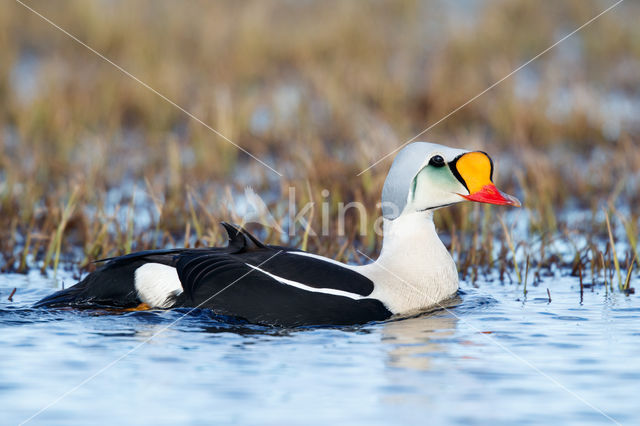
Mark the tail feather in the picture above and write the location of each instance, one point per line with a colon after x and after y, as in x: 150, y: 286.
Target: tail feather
x: 111, y: 285
x: 60, y: 298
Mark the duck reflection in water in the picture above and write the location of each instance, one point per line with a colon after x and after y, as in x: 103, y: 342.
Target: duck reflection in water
x: 414, y: 340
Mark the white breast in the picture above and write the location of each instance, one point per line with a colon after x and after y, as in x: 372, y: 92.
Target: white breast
x: 414, y: 271
x: 157, y: 284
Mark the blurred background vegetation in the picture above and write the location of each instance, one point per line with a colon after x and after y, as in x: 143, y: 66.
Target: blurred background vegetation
x: 93, y: 164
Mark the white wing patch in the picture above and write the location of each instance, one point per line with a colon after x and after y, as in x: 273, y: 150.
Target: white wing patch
x: 157, y: 284
x: 309, y: 288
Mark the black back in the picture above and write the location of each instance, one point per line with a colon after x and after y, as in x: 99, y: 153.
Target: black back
x: 225, y: 280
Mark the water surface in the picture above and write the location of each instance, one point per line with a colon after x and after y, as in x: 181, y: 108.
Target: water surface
x: 494, y: 357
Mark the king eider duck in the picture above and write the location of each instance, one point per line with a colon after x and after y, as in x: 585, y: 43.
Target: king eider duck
x: 279, y: 286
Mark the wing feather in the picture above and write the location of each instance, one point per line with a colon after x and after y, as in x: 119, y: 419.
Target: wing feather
x: 221, y: 279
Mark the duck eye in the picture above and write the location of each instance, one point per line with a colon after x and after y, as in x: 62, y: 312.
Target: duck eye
x: 436, y: 161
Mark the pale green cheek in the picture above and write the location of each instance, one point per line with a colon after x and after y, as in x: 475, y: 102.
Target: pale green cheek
x: 433, y: 177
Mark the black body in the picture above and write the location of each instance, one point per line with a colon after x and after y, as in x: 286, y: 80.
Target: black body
x: 220, y: 279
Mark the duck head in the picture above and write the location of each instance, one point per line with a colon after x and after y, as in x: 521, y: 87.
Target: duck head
x: 426, y: 176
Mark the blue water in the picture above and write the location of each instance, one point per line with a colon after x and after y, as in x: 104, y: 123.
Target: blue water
x: 494, y: 357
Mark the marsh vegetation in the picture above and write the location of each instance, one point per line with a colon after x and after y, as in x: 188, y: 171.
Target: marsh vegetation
x: 94, y: 164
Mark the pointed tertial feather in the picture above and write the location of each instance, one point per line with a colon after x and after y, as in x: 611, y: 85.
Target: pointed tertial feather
x: 240, y: 238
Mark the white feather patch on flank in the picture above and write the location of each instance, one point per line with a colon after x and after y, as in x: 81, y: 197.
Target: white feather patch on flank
x: 157, y: 284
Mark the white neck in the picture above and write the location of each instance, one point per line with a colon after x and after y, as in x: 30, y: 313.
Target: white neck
x: 414, y: 270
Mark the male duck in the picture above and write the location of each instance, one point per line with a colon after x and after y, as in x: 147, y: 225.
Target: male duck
x: 280, y: 286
